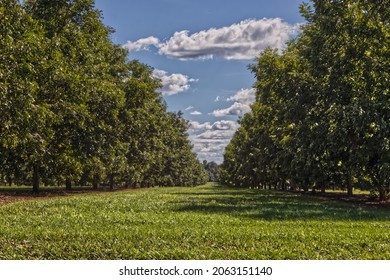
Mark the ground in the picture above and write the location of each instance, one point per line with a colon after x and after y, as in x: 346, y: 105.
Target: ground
x: 14, y: 194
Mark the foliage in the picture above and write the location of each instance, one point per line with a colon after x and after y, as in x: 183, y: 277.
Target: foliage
x: 212, y: 170
x: 74, y: 110
x: 321, y: 114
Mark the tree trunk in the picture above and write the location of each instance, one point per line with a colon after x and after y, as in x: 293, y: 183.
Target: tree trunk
x: 111, y: 182
x: 293, y: 185
x: 36, y: 178
x: 95, y: 183
x: 306, y: 185
x: 68, y: 184
x: 350, y: 186
x: 382, y: 193
x: 323, y: 189
x: 284, y: 186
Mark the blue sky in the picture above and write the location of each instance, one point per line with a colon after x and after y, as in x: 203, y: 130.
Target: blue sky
x: 201, y: 51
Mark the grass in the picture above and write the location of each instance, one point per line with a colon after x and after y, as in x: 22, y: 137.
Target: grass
x: 207, y: 222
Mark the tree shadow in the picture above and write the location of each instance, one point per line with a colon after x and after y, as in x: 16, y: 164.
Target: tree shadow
x: 277, y: 206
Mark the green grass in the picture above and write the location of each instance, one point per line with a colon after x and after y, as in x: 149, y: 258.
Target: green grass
x: 205, y: 222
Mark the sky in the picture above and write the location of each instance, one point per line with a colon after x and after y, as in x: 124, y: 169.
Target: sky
x: 201, y: 50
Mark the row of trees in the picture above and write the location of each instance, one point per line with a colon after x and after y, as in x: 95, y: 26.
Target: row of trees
x: 212, y: 170
x: 322, y: 113
x: 74, y: 110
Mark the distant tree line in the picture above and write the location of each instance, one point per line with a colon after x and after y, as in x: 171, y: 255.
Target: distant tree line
x: 75, y: 111
x: 322, y: 113
x: 212, y: 170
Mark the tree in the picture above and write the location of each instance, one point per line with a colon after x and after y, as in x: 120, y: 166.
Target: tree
x: 159, y: 151
x: 345, y: 45
x: 212, y: 170
x: 275, y: 137
x: 83, y: 86
x: 73, y: 108
x: 321, y: 106
x: 26, y: 118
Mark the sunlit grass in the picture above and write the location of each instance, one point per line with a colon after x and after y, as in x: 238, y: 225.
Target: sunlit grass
x: 205, y: 222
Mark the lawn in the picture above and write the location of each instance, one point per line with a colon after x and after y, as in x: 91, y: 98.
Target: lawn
x: 206, y: 222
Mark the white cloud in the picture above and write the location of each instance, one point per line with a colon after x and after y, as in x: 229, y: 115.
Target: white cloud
x: 221, y: 130
x: 173, y: 83
x: 217, y: 99
x: 209, y: 140
x: 242, y: 101
x: 142, y: 44
x: 196, y: 113
x: 194, y: 126
x: 214, y: 134
x: 225, y: 125
x: 189, y: 108
x: 241, y: 41
x: 237, y: 109
x: 244, y: 96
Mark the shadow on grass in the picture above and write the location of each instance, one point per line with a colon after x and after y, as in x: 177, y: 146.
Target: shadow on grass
x: 272, y: 205
x: 44, y: 191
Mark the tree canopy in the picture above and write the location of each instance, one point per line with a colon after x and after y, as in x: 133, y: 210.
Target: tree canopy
x: 76, y: 111
x: 322, y: 110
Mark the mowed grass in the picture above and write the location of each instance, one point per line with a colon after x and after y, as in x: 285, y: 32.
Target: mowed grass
x: 207, y: 222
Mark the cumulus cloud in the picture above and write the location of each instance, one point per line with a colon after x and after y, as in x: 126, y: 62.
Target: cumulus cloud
x: 210, y: 152
x: 241, y: 41
x: 242, y: 101
x: 237, y: 109
x: 173, y: 83
x: 196, y: 113
x: 244, y: 96
x: 197, y: 126
x: 142, y: 44
x: 215, y: 134
x: 225, y: 125
x: 209, y: 140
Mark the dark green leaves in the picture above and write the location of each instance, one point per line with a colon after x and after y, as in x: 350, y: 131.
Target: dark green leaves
x: 322, y: 110
x: 73, y: 110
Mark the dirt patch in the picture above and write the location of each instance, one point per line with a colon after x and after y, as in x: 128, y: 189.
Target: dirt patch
x: 357, y: 199
x: 5, y: 199
x: 12, y: 196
